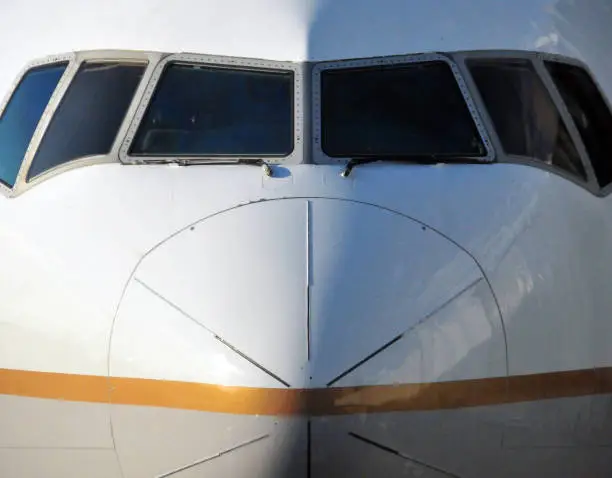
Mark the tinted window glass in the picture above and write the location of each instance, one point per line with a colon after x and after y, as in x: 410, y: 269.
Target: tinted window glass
x: 90, y: 114
x: 590, y: 113
x: 396, y: 110
x: 204, y: 111
x: 524, y: 115
x: 21, y: 116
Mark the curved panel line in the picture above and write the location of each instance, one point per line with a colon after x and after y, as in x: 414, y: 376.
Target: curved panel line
x: 309, y: 198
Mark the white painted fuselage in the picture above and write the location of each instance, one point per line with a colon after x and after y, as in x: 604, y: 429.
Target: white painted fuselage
x: 212, y: 320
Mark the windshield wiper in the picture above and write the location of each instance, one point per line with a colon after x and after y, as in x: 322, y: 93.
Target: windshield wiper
x: 200, y: 161
x: 256, y: 162
x: 410, y: 158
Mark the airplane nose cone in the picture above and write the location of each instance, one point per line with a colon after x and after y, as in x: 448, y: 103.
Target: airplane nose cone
x: 301, y: 289
x: 302, y: 293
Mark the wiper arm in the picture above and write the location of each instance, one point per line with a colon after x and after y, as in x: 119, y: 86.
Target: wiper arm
x: 200, y: 161
x: 256, y: 162
x: 409, y: 158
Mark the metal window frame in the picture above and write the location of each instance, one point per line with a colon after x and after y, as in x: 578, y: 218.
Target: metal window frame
x: 295, y: 156
x: 75, y: 60
x: 306, y: 106
x: 148, y: 59
x: 320, y: 157
x: 536, y: 59
x: 69, y: 58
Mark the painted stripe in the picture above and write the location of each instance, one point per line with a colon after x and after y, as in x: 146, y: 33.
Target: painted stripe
x: 312, y: 402
x: 59, y: 386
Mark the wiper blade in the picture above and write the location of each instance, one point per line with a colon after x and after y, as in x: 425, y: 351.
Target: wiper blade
x: 410, y: 158
x: 200, y: 161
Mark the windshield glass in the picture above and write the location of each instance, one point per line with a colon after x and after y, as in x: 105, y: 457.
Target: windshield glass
x: 414, y: 109
x: 213, y: 111
x: 21, y: 117
x: 524, y: 114
x: 90, y: 114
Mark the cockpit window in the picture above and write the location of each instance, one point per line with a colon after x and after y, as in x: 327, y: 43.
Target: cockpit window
x: 199, y: 110
x: 524, y: 114
x: 90, y: 114
x: 590, y: 114
x: 22, y: 114
x: 410, y: 109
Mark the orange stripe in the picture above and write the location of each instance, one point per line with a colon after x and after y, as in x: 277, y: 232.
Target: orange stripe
x: 59, y: 386
x: 322, y: 401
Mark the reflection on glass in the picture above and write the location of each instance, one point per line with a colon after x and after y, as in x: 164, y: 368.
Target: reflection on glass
x: 21, y: 116
x: 90, y: 114
x: 523, y: 113
x: 396, y: 110
x: 212, y: 111
x: 590, y: 113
